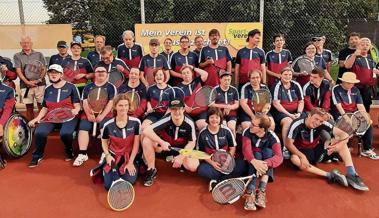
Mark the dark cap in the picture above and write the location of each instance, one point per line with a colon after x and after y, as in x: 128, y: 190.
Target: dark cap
x: 103, y: 65
x: 75, y: 43
x: 176, y: 103
x: 154, y: 42
x: 223, y: 73
x: 62, y: 44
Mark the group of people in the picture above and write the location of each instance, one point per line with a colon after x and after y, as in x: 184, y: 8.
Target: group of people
x: 302, y: 105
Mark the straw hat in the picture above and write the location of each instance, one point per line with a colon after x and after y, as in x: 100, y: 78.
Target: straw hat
x: 349, y: 77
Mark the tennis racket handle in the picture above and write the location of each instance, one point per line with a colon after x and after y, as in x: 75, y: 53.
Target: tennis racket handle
x: 94, y: 129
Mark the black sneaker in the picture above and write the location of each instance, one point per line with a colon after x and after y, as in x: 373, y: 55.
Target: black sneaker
x: 337, y: 177
x: 356, y: 182
x: 68, y: 156
x: 34, y: 162
x: 151, y: 174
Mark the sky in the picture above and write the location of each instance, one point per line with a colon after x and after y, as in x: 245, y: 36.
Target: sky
x: 34, y: 12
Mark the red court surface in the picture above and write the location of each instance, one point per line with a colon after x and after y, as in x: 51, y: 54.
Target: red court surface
x: 56, y: 189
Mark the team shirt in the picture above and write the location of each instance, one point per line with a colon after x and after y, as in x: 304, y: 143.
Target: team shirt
x: 363, y: 68
x: 305, y: 138
x: 141, y: 91
x: 148, y: 64
x: 7, y: 102
x: 131, y: 56
x: 222, y: 140
x: 113, y: 66
x: 226, y: 97
x: 178, y: 60
x: 82, y: 65
x: 111, y: 91
x: 347, y: 98
x: 252, y: 143
x: 168, y: 56
x: 247, y: 92
x: 121, y: 140
x: 317, y: 97
x: 64, y: 97
x: 177, y: 136
x: 276, y: 62
x: 249, y: 59
x: 58, y: 59
x: 289, y: 98
x: 343, y: 54
x: 160, y: 98
x: 10, y: 74
x: 326, y: 55
x: 221, y: 56
x: 318, y: 61
x: 94, y: 57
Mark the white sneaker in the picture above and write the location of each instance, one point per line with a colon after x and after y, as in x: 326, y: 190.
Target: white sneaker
x: 80, y: 160
x: 370, y: 154
x: 286, y: 154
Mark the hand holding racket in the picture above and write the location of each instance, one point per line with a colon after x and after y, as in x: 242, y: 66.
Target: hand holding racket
x: 33, y: 72
x: 121, y: 193
x: 58, y: 115
x: 225, y: 161
x: 97, y: 101
x: 261, y: 101
x: 230, y: 190
x: 164, y: 98
x: 306, y: 65
x: 71, y: 71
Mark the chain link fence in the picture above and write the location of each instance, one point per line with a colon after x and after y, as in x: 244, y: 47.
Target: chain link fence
x: 298, y: 20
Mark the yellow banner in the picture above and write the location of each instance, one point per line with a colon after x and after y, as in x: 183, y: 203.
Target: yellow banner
x: 232, y: 35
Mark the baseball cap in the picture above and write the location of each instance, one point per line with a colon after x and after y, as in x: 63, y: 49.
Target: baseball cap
x: 102, y: 64
x: 62, y: 44
x: 55, y: 67
x: 176, y: 103
x: 154, y: 42
x: 75, y: 43
x: 222, y: 73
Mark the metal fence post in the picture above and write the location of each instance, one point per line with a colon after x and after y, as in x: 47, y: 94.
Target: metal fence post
x: 261, y: 10
x: 21, y: 11
x: 142, y: 11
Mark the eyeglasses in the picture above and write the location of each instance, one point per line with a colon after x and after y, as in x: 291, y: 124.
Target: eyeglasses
x: 316, y: 40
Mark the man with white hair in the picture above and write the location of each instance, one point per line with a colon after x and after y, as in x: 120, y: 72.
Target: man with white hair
x: 129, y: 51
x: 30, y: 89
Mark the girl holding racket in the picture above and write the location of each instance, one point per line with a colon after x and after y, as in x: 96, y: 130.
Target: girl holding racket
x: 60, y: 94
x: 190, y: 86
x: 247, y: 93
x: 262, y: 150
x: 216, y: 137
x: 302, y: 77
x: 227, y: 99
x: 88, y: 118
x: 120, y: 141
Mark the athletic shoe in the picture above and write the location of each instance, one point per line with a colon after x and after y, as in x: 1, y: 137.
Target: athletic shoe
x: 212, y: 184
x: 370, y: 154
x: 151, y: 174
x: 80, y: 160
x: 250, y: 202
x: 337, y: 177
x: 260, y: 199
x: 34, y: 162
x: 356, y: 182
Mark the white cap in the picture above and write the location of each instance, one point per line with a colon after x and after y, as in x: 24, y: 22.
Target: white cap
x: 55, y: 67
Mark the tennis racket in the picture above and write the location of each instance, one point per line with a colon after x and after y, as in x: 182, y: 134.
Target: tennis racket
x: 230, y: 190
x: 116, y: 77
x: 352, y: 124
x: 165, y: 96
x: 33, y: 71
x: 70, y: 71
x: 97, y: 100
x: 261, y: 101
x: 196, y: 154
x: 204, y: 97
x: 58, y: 115
x: 121, y: 193
x: 226, y: 161
x: 305, y: 64
x: 134, y: 100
